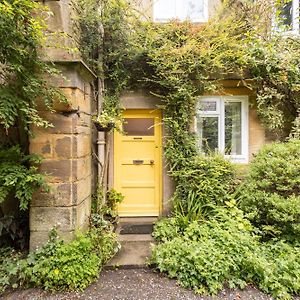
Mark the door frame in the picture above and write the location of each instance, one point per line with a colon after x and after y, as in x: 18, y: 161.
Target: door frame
x: 157, y: 113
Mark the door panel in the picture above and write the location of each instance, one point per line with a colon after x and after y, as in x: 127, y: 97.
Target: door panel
x: 137, y: 163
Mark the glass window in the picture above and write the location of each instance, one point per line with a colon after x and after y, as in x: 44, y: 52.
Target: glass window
x: 208, y: 106
x: 222, y: 125
x: 208, y: 128
x: 138, y: 126
x: 194, y: 10
x: 233, y: 128
x: 289, y: 15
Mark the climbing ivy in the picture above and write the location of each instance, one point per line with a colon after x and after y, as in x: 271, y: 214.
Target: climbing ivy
x: 22, y: 73
x: 23, y: 88
x: 180, y: 61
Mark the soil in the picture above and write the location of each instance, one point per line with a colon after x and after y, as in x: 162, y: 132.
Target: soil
x: 135, y: 284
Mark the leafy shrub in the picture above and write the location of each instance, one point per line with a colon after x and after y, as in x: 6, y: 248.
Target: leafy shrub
x: 14, y: 229
x: 62, y: 266
x: 204, y: 183
x: 11, y: 268
x: 59, y: 265
x: 270, y: 195
x: 72, y: 266
x: 17, y: 177
x: 225, y: 250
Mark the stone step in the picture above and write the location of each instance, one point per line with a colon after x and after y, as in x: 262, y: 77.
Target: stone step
x: 133, y: 254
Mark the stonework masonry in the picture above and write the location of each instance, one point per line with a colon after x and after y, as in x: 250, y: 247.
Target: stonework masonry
x: 66, y: 146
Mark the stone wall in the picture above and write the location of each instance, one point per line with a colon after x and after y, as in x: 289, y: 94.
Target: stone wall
x: 67, y: 146
x: 66, y: 149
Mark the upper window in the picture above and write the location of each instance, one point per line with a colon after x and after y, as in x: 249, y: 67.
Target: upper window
x: 193, y: 10
x: 289, y: 15
x: 222, y: 125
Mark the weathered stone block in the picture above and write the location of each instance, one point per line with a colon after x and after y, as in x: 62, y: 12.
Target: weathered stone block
x: 45, y: 218
x: 58, y: 170
x: 83, y: 212
x: 77, y: 99
x: 39, y: 238
x: 83, y: 188
x: 82, y: 145
x: 42, y: 145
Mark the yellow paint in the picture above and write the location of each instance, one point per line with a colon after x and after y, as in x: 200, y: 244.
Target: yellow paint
x: 139, y: 183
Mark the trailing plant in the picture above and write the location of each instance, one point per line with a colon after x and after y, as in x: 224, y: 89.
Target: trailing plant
x: 270, y: 194
x: 23, y: 84
x: 19, y: 176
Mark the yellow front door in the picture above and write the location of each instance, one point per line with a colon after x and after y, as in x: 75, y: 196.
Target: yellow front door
x: 137, y: 163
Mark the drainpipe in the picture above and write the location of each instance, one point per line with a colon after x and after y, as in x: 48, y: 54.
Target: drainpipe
x: 101, y: 142
x: 101, y: 138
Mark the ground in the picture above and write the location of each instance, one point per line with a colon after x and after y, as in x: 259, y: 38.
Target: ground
x: 135, y: 284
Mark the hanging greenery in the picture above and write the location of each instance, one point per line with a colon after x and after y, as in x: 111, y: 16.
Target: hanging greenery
x: 23, y: 87
x: 22, y: 73
x: 180, y: 61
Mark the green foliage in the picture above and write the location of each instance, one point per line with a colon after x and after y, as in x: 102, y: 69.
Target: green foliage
x: 14, y: 230
x: 202, y: 184
x: 21, y: 85
x: 62, y: 266
x: 270, y: 193
x: 59, y: 265
x: 18, y: 175
x: 72, y: 266
x: 225, y: 250
x: 11, y: 268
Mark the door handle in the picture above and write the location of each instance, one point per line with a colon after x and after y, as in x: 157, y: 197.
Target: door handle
x: 138, y: 161
x: 151, y: 162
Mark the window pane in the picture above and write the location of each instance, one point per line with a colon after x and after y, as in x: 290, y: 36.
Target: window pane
x: 209, y: 133
x: 194, y: 9
x: 233, y: 128
x: 138, y: 126
x: 208, y: 106
x: 287, y: 14
x: 164, y: 10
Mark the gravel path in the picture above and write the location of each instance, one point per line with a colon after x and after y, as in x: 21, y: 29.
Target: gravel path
x: 135, y: 285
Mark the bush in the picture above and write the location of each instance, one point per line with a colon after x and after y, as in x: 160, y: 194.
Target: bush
x: 58, y: 265
x: 270, y: 195
x: 225, y: 250
x: 11, y: 268
x: 206, y: 182
x: 18, y: 177
x: 72, y: 266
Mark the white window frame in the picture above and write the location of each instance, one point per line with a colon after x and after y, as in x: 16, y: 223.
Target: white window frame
x: 295, y: 26
x: 177, y: 14
x: 220, y: 113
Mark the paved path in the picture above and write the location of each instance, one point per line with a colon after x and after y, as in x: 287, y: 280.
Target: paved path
x: 130, y: 284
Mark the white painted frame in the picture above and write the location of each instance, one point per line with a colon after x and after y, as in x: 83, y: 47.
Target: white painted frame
x: 177, y: 15
x: 295, y: 26
x: 220, y: 113
x: 295, y: 16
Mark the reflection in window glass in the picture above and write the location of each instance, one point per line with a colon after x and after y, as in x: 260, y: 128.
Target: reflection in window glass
x: 233, y: 128
x: 138, y: 126
x: 195, y: 9
x: 208, y: 128
x: 208, y: 106
x: 287, y: 14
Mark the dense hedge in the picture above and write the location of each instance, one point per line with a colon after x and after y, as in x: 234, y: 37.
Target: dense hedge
x: 270, y: 195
